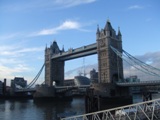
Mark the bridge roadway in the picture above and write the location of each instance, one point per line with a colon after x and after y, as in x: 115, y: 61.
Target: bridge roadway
x: 58, y: 88
x: 76, y: 53
x: 120, y: 84
x: 137, y: 84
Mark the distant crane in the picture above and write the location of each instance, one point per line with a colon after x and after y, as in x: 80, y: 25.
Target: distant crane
x: 82, y: 72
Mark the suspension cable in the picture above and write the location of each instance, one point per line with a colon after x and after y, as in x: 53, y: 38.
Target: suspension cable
x: 36, y: 78
x: 145, y: 67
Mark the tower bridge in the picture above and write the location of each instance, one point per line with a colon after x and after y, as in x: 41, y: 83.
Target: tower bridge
x: 110, y: 66
x: 109, y: 72
x: 110, y: 87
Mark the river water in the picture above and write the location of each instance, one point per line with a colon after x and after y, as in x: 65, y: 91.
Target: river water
x: 29, y: 110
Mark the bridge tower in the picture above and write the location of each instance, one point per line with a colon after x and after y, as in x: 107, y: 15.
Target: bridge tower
x: 54, y: 68
x: 110, y: 66
x: 105, y: 94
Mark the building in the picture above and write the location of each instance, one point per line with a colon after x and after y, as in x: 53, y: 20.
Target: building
x: 81, y: 80
x: 18, y: 82
x: 94, y: 76
x: 133, y: 79
x: 1, y: 88
x: 69, y: 82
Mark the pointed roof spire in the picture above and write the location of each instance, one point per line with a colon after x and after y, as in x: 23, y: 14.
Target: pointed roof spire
x: 46, y: 46
x: 108, y: 26
x: 119, y: 32
x: 63, y: 48
x: 98, y: 31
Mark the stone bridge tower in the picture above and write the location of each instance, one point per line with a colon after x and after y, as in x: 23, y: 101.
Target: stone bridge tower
x: 54, y: 68
x: 110, y: 66
x: 105, y: 94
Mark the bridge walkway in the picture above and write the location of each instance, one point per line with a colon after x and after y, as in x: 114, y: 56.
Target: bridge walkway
x: 137, y: 84
x: 59, y: 89
x: 149, y: 110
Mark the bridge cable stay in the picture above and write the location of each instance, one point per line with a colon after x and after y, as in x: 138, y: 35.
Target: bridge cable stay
x: 141, y: 61
x: 145, y: 70
x: 150, y: 69
x: 142, y: 64
x: 126, y: 59
x: 145, y: 67
x: 131, y: 62
x: 36, y: 78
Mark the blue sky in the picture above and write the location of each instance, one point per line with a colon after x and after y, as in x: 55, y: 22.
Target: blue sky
x: 27, y: 26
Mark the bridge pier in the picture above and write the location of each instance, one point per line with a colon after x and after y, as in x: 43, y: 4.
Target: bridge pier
x: 51, y: 93
x: 106, y: 96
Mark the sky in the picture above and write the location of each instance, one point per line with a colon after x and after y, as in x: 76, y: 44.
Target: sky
x: 28, y: 26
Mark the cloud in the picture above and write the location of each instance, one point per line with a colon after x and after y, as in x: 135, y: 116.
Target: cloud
x: 8, y: 72
x: 14, y: 61
x: 66, y: 25
x: 15, y: 51
x: 71, y: 3
x: 25, y: 6
x: 135, y: 7
x: 9, y: 36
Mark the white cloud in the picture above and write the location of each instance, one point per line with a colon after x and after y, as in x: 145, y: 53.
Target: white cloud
x: 12, y: 62
x: 66, y: 25
x: 133, y: 7
x: 24, y: 6
x: 9, y: 36
x: 13, y: 50
x: 8, y: 72
x: 71, y: 3
x: 69, y: 25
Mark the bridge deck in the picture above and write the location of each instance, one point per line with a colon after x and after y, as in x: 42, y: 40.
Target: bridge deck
x: 141, y: 83
x: 76, y: 53
x: 58, y: 88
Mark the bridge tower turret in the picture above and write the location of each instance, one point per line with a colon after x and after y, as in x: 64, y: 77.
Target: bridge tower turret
x: 109, y: 64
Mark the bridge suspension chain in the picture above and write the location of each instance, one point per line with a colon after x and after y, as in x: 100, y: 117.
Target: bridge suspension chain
x: 143, y: 65
x: 148, y: 69
x: 36, y: 78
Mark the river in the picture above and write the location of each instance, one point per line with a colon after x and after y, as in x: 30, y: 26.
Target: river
x: 29, y: 110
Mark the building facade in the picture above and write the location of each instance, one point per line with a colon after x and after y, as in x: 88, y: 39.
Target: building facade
x: 1, y: 88
x: 18, y: 82
x: 94, y: 76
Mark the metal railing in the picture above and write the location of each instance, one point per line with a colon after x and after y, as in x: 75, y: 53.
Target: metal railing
x: 140, y: 83
x: 149, y: 110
